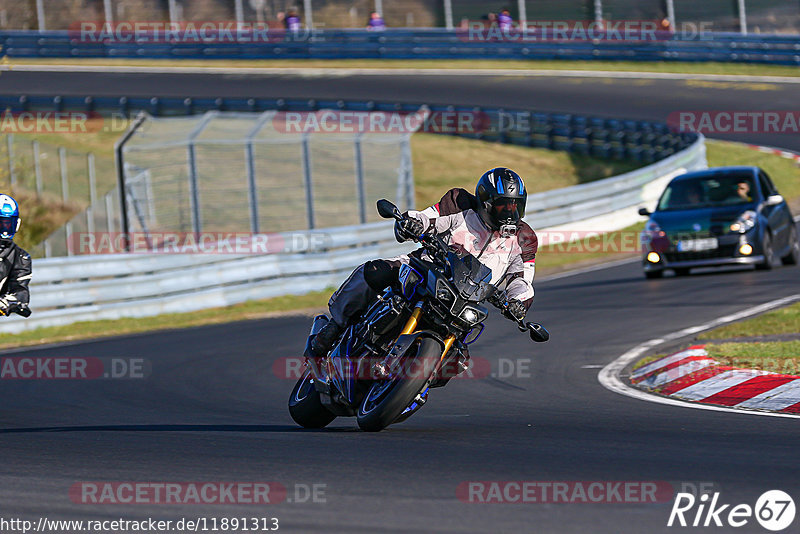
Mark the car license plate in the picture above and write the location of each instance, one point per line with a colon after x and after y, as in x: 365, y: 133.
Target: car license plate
x: 698, y: 245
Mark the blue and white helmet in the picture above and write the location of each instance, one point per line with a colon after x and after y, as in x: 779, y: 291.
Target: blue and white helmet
x: 501, y: 199
x: 9, y: 217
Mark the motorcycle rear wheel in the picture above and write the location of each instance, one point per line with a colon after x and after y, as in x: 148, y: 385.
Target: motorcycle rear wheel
x: 387, y: 399
x: 305, y: 406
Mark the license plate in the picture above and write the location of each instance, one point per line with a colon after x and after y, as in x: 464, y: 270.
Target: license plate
x: 698, y: 245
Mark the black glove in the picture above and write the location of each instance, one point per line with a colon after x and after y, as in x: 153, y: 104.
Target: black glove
x: 408, y: 228
x: 515, y: 310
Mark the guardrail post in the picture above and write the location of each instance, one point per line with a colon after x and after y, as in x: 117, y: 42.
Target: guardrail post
x: 307, y: 182
x: 671, y: 13
x: 62, y: 167
x: 308, y: 14
x: 120, y: 162
x: 37, y: 168
x: 194, y: 194
x: 598, y: 11
x: 12, y: 175
x: 361, y: 194
x: 109, y: 13
x: 252, y: 194
x: 448, y: 14
x: 109, y: 213
x: 90, y: 171
x: 251, y: 170
x: 742, y: 18
x: 40, y: 15
x: 239, y: 14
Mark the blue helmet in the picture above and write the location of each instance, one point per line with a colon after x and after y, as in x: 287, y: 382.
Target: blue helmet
x: 501, y: 199
x: 9, y: 217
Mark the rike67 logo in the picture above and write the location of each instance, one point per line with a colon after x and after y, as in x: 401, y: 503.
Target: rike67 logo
x: 774, y: 510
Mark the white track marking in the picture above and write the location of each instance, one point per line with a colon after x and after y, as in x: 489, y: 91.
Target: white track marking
x: 314, y: 72
x: 777, y: 398
x: 663, y: 362
x: 718, y: 383
x: 610, y: 379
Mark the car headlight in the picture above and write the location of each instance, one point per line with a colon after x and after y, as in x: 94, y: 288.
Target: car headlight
x: 472, y: 316
x: 745, y: 222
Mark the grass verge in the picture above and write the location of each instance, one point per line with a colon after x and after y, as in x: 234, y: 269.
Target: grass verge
x: 775, y: 356
x: 615, y: 66
x: 443, y: 162
x: 775, y: 322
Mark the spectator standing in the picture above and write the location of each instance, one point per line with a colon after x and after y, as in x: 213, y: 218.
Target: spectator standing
x: 376, y: 22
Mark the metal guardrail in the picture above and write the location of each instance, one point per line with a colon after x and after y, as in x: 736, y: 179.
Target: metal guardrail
x: 83, y: 288
x: 431, y: 43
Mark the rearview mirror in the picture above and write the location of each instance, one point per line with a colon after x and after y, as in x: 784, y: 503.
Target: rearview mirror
x: 387, y: 210
x: 538, y: 332
x: 774, y: 200
x: 644, y: 212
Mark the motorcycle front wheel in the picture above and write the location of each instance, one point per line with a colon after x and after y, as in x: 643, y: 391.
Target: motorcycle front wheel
x: 387, y: 399
x: 305, y: 406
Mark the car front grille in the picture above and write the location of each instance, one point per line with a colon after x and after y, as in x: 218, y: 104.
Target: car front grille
x: 724, y: 251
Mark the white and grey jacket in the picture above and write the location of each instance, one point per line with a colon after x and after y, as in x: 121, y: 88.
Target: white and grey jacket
x: 511, y: 259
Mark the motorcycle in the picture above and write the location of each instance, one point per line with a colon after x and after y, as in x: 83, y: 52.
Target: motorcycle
x: 413, y: 338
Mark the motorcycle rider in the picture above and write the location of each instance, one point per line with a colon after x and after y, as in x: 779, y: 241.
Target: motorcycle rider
x: 15, y: 263
x: 487, y: 225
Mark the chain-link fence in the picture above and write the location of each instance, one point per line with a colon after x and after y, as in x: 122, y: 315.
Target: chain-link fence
x: 62, y: 175
x: 244, y: 172
x: 758, y: 16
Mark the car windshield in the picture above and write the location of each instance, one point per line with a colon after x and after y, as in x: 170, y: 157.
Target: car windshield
x: 708, y: 191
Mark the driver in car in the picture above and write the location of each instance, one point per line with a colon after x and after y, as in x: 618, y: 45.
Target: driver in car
x: 487, y: 225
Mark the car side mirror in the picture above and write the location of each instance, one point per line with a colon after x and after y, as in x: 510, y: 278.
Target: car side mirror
x: 644, y: 212
x: 774, y: 200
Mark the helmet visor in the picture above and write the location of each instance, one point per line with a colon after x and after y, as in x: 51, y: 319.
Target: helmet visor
x: 508, y: 210
x: 8, y: 227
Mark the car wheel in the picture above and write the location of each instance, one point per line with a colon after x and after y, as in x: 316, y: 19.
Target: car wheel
x: 769, y: 254
x: 653, y: 274
x: 683, y: 271
x: 793, y: 257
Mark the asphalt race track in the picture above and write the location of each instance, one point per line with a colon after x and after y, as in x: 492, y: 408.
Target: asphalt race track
x: 213, y: 407
x: 641, y: 99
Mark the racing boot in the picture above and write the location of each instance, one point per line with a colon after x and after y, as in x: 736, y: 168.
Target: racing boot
x: 324, y: 340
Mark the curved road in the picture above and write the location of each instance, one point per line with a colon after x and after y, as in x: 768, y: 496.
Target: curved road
x: 213, y: 406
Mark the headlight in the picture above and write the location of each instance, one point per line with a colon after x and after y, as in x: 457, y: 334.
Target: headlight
x: 745, y: 222
x: 472, y: 316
